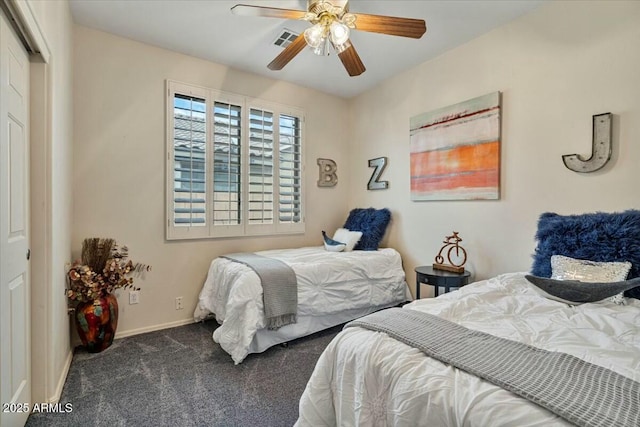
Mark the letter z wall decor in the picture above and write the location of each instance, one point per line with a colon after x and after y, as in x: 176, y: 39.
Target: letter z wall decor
x: 455, y: 151
x: 379, y: 163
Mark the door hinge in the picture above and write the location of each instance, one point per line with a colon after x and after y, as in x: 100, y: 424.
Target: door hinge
x: 28, y: 254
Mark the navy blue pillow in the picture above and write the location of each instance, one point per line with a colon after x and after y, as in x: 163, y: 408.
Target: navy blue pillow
x: 373, y: 224
x: 599, y: 236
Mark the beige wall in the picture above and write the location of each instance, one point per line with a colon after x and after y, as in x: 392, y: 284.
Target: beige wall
x: 555, y: 67
x: 119, y: 165
x: 52, y: 201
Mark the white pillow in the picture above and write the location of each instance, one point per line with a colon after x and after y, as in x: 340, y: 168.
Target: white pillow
x: 349, y: 238
x: 566, y: 268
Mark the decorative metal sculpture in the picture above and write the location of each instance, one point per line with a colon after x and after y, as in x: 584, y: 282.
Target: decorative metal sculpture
x: 328, y: 176
x: 379, y: 164
x: 456, y: 255
x: 600, y: 148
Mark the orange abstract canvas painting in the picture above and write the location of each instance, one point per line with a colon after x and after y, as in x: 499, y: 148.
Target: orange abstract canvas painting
x: 455, y: 151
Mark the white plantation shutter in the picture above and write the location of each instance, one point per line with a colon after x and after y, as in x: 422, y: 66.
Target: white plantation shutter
x: 227, y: 190
x: 235, y: 165
x: 189, y: 161
x: 261, y: 164
x: 290, y: 169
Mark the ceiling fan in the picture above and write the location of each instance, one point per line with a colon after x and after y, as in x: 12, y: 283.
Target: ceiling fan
x: 332, y: 23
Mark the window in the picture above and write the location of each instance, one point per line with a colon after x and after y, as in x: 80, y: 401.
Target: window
x: 234, y: 165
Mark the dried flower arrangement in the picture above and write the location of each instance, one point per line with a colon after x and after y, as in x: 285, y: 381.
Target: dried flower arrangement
x: 104, y: 267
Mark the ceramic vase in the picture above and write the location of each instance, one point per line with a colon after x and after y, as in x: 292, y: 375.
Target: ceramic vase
x: 96, y: 322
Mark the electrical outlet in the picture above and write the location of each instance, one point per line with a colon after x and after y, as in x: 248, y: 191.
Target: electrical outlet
x: 179, y: 305
x: 134, y: 297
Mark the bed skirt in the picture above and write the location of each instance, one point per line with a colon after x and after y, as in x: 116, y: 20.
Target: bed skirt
x: 307, y: 325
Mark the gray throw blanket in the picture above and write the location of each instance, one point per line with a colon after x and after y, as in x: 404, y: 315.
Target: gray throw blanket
x: 279, y: 287
x: 580, y: 392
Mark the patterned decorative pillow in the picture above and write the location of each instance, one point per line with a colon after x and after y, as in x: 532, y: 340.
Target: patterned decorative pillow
x: 372, y: 223
x: 599, y: 236
x: 567, y: 268
x: 350, y: 238
x: 332, y: 245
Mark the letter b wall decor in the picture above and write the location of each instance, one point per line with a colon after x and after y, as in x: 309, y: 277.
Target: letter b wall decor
x: 328, y: 176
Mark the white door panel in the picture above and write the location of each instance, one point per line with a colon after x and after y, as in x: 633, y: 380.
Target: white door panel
x: 15, y: 338
x: 16, y: 181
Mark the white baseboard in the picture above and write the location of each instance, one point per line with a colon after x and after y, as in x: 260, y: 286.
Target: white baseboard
x: 63, y: 378
x: 159, y: 327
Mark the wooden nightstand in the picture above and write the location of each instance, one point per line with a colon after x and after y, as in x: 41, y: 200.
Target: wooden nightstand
x: 439, y: 278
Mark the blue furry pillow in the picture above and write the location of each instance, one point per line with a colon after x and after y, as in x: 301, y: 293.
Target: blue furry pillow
x: 372, y: 223
x: 599, y: 236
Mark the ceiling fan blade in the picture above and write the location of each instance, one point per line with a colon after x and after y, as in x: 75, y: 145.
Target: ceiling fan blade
x: 269, y: 12
x: 351, y: 61
x: 392, y: 25
x: 288, y: 53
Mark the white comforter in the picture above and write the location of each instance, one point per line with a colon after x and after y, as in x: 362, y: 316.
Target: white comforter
x: 328, y: 282
x: 365, y: 378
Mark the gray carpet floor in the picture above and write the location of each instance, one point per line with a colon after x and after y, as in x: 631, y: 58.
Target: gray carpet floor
x: 180, y: 377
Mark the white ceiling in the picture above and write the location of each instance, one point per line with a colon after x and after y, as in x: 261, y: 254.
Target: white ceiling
x: 208, y: 30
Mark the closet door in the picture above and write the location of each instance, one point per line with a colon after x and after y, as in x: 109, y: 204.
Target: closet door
x: 15, y: 333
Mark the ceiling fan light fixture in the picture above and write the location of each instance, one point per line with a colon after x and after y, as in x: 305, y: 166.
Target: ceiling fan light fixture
x: 315, y: 35
x: 323, y: 48
x: 339, y: 48
x: 338, y: 32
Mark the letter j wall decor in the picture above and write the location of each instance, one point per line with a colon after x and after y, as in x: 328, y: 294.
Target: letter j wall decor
x: 455, y: 151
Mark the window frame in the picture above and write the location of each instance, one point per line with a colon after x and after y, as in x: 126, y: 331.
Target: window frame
x: 209, y: 229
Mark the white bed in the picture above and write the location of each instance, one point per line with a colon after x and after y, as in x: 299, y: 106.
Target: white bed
x: 333, y: 288
x: 366, y: 378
